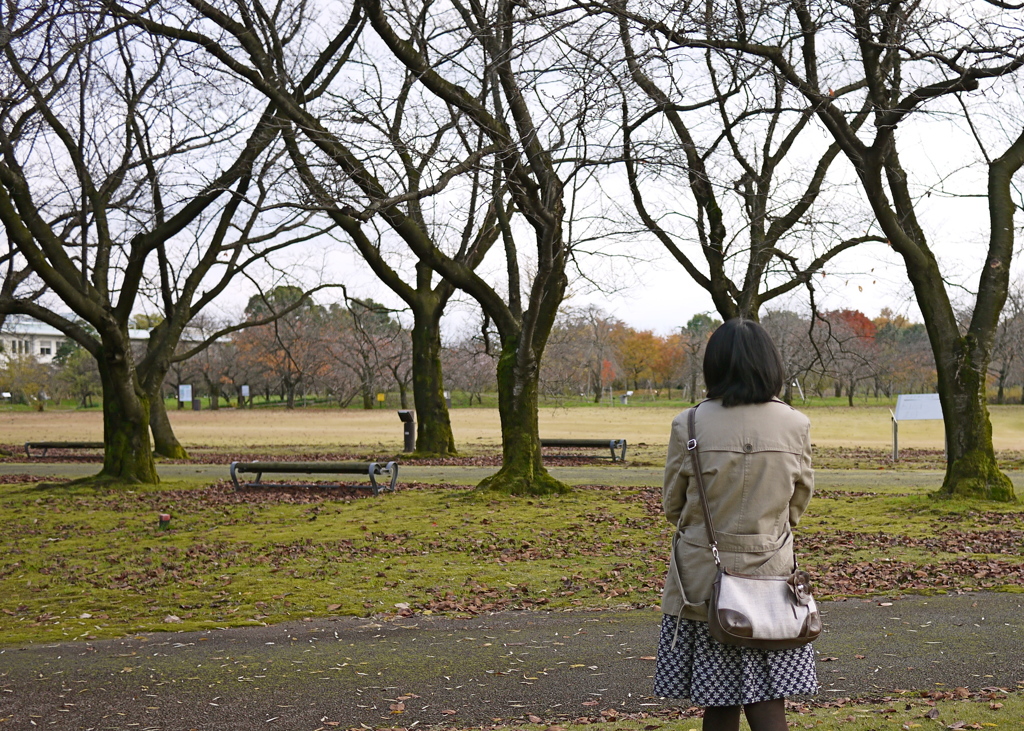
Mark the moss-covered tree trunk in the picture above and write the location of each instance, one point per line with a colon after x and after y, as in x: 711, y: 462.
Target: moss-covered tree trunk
x: 128, y: 453
x: 971, y: 469
x: 434, y: 428
x: 522, y: 470
x: 165, y: 443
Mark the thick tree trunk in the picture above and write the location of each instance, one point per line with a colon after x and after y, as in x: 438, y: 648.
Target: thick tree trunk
x: 849, y: 391
x: 971, y: 469
x: 128, y: 454
x: 522, y: 470
x: 434, y: 428
x: 165, y: 443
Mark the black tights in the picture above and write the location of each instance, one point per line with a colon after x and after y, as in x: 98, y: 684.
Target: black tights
x: 763, y: 716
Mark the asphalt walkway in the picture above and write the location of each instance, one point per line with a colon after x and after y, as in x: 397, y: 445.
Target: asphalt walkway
x: 350, y: 672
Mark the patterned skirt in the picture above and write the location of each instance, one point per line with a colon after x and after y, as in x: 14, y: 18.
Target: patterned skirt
x: 708, y: 673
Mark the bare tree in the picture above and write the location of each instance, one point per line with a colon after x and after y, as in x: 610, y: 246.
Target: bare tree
x: 369, y: 154
x: 484, y: 66
x: 752, y: 205
x: 128, y: 175
x: 903, y: 58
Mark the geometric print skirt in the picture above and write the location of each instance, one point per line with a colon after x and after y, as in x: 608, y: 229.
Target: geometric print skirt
x: 708, y: 673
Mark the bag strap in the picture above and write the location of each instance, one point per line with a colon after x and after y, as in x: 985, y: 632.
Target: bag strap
x: 691, y: 445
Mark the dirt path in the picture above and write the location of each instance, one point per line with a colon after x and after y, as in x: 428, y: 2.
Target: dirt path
x: 555, y: 666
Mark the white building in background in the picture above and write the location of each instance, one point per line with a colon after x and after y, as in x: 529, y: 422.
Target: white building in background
x: 23, y: 335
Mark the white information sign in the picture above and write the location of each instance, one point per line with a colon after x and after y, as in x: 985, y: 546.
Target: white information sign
x: 917, y: 407
x: 185, y: 393
x: 913, y: 407
x: 245, y: 392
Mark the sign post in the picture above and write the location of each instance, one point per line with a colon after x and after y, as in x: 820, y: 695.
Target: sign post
x: 913, y: 407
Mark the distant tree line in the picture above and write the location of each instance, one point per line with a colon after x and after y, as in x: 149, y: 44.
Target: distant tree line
x: 344, y: 354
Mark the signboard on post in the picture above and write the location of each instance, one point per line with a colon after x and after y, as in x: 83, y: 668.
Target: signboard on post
x: 913, y: 407
x: 917, y: 406
x: 184, y: 395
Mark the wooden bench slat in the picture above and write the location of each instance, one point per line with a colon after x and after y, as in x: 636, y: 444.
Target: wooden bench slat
x: 613, y: 445
x: 45, y: 446
x: 370, y: 469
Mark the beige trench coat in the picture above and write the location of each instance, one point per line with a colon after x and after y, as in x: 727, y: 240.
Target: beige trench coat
x: 756, y: 461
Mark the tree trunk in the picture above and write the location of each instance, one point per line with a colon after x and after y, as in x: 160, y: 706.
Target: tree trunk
x: 971, y: 469
x: 367, y: 398
x: 1002, y: 382
x: 165, y: 443
x: 290, y: 395
x: 522, y: 470
x: 849, y: 390
x: 434, y: 435
x: 127, y: 454
x: 214, y: 395
x: 787, y: 392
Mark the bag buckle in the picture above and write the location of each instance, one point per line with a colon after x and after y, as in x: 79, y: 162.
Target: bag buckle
x: 691, y: 445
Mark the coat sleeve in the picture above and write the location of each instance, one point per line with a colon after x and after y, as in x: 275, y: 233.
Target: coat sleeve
x: 677, y: 469
x: 804, y: 483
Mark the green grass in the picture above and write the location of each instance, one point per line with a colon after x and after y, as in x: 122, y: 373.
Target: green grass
x: 897, y: 712
x: 82, y: 563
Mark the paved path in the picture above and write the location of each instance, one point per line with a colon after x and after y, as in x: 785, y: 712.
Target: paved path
x: 347, y: 671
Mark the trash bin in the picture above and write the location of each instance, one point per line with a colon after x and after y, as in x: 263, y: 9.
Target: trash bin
x: 409, y: 429
x: 196, y: 404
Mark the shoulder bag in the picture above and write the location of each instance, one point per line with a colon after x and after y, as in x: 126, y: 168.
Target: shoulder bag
x: 764, y: 612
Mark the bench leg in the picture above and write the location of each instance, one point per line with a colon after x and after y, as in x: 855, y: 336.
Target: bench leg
x: 373, y: 479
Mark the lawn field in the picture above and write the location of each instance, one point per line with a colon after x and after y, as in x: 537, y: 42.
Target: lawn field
x: 80, y: 562
x: 834, y: 426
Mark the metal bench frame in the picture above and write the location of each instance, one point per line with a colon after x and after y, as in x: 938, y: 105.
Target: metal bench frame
x: 371, y: 469
x: 617, y: 447
x: 46, y: 446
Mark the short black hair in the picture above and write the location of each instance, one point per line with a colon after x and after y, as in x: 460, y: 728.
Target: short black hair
x: 742, y: 364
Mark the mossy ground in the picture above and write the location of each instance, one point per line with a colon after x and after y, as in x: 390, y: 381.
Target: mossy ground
x: 84, y: 562
x: 898, y: 712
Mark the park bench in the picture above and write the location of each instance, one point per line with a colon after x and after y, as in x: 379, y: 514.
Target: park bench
x: 371, y: 469
x: 617, y: 447
x: 46, y: 446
